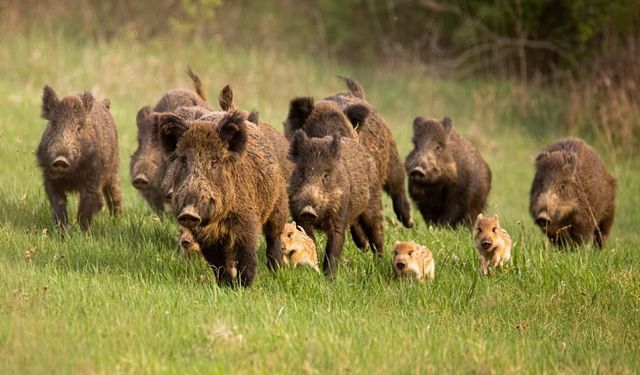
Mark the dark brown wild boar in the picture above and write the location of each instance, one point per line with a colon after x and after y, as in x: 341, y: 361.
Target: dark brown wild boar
x: 573, y: 195
x: 79, y: 153
x: 335, y: 185
x: 350, y: 115
x: 227, y: 187
x: 148, y: 164
x: 448, y: 179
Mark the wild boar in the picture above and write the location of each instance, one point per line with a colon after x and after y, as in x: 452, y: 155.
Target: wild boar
x: 573, y: 195
x: 448, y: 179
x: 148, y: 164
x: 79, y: 153
x: 335, y: 185
x: 227, y: 187
x: 350, y: 115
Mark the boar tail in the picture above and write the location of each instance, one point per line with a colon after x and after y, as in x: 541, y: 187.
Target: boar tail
x: 354, y: 87
x: 197, y: 84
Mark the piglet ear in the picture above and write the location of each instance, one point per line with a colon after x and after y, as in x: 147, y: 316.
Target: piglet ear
x: 107, y: 103
x: 357, y: 115
x: 298, y: 144
x: 301, y: 229
x: 299, y: 111
x: 87, y: 101
x: 233, y: 131
x: 447, y: 123
x: 50, y: 102
x: 225, y: 98
x: 171, y: 128
x: 336, y: 144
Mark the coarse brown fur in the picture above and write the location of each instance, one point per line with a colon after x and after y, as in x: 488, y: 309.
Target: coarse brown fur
x: 448, y: 179
x: 413, y: 260
x: 298, y: 248
x: 350, y: 115
x: 492, y: 242
x: 148, y: 164
x: 335, y: 185
x: 573, y: 195
x: 79, y: 153
x: 228, y: 188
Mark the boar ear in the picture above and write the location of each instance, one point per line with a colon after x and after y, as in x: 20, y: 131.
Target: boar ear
x: 418, y: 123
x: 225, y: 98
x: 254, y: 117
x: 357, y: 114
x: 50, y: 101
x: 542, y: 157
x: 298, y: 143
x: 447, y: 123
x: 143, y: 114
x: 233, y: 131
x: 171, y: 128
x: 87, y: 101
x: 299, y: 111
x: 335, y: 145
x: 107, y: 103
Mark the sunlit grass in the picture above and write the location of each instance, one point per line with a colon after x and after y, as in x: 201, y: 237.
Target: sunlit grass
x: 121, y: 299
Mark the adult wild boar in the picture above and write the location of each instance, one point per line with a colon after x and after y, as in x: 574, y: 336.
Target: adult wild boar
x: 573, y: 195
x: 148, y: 164
x: 335, y: 185
x: 227, y: 188
x: 350, y: 115
x: 79, y: 153
x: 448, y: 179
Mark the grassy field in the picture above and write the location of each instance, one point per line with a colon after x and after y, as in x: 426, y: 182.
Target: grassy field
x: 121, y: 299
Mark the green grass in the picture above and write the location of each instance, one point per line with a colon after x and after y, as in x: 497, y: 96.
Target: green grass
x: 120, y: 299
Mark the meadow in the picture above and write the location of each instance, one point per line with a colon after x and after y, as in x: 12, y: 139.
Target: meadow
x: 120, y: 299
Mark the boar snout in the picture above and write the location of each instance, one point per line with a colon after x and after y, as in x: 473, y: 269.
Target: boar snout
x: 543, y: 220
x: 308, y: 213
x: 60, y: 164
x: 486, y: 243
x: 189, y: 217
x: 140, y: 181
x: 418, y: 173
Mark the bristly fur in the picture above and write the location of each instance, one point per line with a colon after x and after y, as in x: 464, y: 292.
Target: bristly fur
x: 197, y: 84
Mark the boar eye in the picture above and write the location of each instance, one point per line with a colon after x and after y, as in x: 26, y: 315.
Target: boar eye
x: 183, y: 159
x: 563, y: 186
x: 438, y: 148
x: 325, y: 178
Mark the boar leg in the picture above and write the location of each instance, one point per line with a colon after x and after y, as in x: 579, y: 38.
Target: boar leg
x: 58, y: 201
x: 246, y: 256
x: 602, y: 231
x: 335, y: 242
x: 273, y: 229
x: 216, y: 257
x: 371, y: 221
x: 112, y: 195
x: 90, y: 204
x: 394, y: 186
x: 359, y: 237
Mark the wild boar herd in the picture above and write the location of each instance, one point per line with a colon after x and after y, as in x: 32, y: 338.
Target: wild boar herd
x: 229, y: 177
